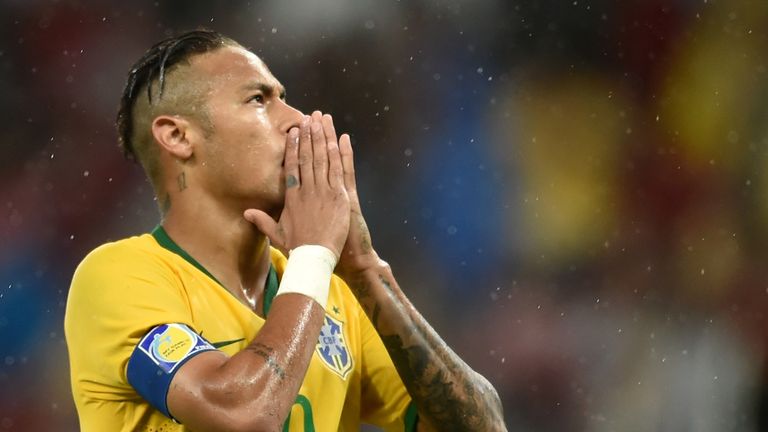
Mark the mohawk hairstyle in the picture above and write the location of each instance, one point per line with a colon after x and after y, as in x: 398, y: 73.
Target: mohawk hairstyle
x: 154, y: 65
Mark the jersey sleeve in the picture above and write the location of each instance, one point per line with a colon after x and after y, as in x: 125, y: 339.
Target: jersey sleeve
x: 384, y: 400
x: 118, y: 294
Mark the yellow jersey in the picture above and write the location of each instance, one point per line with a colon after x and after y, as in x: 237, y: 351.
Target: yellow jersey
x: 124, y: 290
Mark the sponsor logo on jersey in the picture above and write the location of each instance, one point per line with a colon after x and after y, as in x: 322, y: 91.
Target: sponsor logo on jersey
x: 222, y: 344
x: 168, y: 345
x: 332, y: 347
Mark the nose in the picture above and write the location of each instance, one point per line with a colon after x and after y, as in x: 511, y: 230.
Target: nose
x: 290, y: 117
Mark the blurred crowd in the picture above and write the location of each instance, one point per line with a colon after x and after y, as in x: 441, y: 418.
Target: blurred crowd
x: 574, y: 194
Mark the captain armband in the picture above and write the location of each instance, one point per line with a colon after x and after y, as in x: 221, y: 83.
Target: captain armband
x: 157, y: 358
x: 308, y: 272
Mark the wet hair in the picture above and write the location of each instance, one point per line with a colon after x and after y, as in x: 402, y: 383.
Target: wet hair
x: 150, y: 73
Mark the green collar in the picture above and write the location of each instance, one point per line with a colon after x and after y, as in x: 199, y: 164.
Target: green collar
x: 270, y: 287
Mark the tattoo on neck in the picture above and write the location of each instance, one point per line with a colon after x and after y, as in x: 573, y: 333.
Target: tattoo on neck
x: 266, y: 352
x: 165, y: 203
x: 182, y: 181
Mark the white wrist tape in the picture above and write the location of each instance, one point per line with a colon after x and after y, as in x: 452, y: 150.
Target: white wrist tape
x: 308, y: 272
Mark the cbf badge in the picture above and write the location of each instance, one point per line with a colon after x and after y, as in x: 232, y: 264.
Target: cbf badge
x: 332, y: 347
x: 168, y: 345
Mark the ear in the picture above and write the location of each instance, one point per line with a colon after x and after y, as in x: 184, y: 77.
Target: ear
x: 173, y: 134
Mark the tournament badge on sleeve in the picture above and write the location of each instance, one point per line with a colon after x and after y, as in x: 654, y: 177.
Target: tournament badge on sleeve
x: 168, y: 345
x: 332, y: 347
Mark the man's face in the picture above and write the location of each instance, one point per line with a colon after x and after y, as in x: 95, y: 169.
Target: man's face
x: 241, y: 160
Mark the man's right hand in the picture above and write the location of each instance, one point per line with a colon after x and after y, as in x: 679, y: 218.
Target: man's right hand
x: 317, y: 206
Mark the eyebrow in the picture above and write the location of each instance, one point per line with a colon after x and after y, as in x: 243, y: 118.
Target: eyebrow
x: 265, y: 88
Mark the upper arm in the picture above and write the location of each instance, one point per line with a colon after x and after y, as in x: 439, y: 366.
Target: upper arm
x: 116, y: 297
x: 191, y: 396
x: 170, y: 354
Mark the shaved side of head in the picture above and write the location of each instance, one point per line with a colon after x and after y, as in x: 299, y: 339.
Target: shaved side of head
x: 164, y: 82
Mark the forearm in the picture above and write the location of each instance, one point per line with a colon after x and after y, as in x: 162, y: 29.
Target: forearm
x: 447, y: 392
x: 256, y: 387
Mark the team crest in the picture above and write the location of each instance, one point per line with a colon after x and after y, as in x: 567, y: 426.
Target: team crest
x: 332, y: 347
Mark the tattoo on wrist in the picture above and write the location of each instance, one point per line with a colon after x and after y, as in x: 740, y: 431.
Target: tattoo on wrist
x: 386, y: 283
x: 266, y: 352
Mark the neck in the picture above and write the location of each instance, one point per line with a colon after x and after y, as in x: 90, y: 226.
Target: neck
x: 223, y: 242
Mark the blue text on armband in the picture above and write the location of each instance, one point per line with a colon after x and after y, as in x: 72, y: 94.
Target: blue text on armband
x: 158, y: 356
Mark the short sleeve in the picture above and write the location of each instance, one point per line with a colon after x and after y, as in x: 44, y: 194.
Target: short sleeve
x: 118, y: 294
x: 157, y: 357
x: 385, y: 402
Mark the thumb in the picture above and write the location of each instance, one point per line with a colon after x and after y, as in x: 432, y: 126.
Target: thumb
x: 266, y: 225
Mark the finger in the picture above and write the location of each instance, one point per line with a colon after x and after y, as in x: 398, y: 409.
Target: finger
x: 335, y: 166
x: 292, y: 175
x: 329, y: 129
x: 319, y: 151
x: 348, y: 162
x: 317, y: 116
x: 305, y: 154
x: 266, y: 225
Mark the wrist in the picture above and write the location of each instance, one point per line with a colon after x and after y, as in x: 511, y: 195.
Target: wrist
x: 308, y: 273
x: 361, y: 275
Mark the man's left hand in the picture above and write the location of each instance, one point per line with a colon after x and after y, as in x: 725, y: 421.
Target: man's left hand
x: 358, y: 254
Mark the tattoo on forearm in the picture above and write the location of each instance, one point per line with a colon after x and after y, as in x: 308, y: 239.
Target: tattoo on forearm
x: 182, y: 181
x: 433, y: 375
x: 447, y: 403
x: 266, y: 352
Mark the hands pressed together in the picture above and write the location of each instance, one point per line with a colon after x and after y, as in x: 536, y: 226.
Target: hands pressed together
x: 321, y: 202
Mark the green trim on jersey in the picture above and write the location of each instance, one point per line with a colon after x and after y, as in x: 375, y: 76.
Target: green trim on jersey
x: 164, y: 240
x: 270, y: 289
x: 411, y: 417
